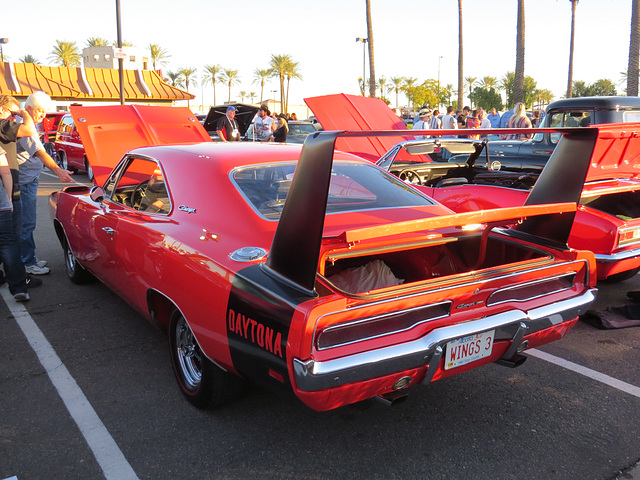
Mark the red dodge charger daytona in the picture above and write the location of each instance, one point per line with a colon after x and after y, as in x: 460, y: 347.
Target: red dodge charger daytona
x: 313, y: 269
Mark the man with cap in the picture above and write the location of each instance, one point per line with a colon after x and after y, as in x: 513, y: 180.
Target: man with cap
x: 424, y: 116
x: 228, y: 130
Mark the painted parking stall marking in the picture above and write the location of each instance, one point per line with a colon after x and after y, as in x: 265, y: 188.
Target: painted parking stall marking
x: 103, y: 446
x: 587, y: 372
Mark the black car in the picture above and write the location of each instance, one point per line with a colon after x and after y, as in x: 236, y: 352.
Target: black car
x: 298, y: 131
x: 532, y: 155
x: 244, y: 117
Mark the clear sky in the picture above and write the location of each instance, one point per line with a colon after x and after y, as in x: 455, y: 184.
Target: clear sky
x: 409, y: 38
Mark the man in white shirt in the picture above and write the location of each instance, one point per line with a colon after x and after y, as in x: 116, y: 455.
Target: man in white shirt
x: 263, y: 125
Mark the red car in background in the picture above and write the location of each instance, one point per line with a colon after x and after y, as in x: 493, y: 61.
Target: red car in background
x: 608, y: 217
x: 69, y: 149
x: 311, y: 269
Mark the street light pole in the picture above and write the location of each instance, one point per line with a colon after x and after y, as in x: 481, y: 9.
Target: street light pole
x: 439, y: 58
x: 120, y: 60
x: 2, y: 42
x: 364, y: 62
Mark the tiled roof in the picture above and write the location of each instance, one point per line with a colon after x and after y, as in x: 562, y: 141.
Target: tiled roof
x: 77, y: 83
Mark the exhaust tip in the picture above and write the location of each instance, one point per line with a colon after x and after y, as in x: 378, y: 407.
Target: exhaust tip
x: 392, y: 399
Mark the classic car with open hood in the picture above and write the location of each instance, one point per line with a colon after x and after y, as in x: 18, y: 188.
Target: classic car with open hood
x: 312, y: 269
x: 608, y: 217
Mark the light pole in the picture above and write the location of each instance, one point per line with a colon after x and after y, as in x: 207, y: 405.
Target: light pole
x: 364, y: 62
x: 439, y: 58
x: 2, y: 42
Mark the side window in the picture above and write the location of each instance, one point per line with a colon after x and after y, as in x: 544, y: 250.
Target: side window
x: 573, y: 119
x: 140, y: 186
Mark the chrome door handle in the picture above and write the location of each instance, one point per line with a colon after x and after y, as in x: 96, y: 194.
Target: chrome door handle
x: 108, y: 230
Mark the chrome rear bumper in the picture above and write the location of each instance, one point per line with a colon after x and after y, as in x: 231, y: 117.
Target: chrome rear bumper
x: 312, y: 375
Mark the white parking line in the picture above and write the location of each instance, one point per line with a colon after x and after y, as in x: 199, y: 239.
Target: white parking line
x: 103, y: 446
x: 587, y: 372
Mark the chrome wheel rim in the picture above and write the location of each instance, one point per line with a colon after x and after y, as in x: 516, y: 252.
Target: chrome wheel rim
x: 188, y: 355
x: 71, y: 261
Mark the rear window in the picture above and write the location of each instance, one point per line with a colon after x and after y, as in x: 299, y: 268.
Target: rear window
x: 354, y: 187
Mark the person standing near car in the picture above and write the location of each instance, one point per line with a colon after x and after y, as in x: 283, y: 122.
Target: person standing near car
x: 263, y: 124
x: 32, y: 156
x: 10, y: 132
x: 449, y: 120
x: 519, y: 119
x: 280, y: 135
x: 228, y: 130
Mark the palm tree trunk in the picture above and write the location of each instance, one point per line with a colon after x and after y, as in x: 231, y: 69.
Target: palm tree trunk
x: 281, y: 92
x: 372, y: 70
x: 573, y: 26
x: 460, y: 63
x: 634, y: 49
x: 286, y: 105
x: 518, y: 82
x: 214, y: 94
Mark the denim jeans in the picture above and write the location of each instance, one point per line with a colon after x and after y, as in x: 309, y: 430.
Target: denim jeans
x: 29, y: 200
x: 10, y: 254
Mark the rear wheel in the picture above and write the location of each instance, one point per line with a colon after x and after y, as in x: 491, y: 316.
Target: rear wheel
x: 204, y: 384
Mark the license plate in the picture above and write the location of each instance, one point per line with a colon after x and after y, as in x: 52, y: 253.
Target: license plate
x: 468, y: 349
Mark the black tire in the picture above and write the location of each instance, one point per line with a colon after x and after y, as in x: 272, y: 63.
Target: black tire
x: 619, y: 277
x: 76, y: 272
x: 88, y: 169
x: 203, y: 383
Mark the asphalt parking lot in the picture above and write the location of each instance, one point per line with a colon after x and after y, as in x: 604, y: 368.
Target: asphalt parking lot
x: 88, y: 393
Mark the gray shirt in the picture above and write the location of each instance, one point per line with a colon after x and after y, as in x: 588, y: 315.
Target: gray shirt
x: 30, y: 165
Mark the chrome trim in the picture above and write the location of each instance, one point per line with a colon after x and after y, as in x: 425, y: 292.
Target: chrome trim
x: 616, y: 257
x: 311, y: 375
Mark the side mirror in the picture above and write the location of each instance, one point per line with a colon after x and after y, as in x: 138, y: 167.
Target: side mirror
x: 96, y: 194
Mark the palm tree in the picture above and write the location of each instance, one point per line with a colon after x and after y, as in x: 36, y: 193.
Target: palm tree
x: 396, y: 85
x: 260, y: 75
x: 574, y: 4
x: 243, y: 94
x: 518, y: 84
x: 124, y: 43
x: 230, y: 77
x: 65, y: 54
x: 252, y: 95
x: 212, y: 74
x: 634, y: 49
x: 97, y: 42
x: 372, y: 70
x: 382, y: 82
x: 449, y: 89
x: 175, y: 79
x: 187, y: 74
x: 279, y: 66
x: 460, y: 56
x: 292, y: 72
x: 470, y: 82
x: 29, y: 59
x: 489, y: 82
x: 158, y: 55
x: 408, y: 84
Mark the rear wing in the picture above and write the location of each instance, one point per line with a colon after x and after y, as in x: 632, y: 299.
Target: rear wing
x: 295, y: 251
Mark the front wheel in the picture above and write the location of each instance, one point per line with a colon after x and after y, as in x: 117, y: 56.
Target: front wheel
x: 88, y: 169
x: 76, y: 272
x: 204, y: 384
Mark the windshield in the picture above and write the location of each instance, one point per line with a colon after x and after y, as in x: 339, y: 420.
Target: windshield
x: 354, y: 187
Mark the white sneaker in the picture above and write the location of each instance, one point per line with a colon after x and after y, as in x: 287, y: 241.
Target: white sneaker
x: 41, y: 263
x: 21, y: 297
x: 37, y: 270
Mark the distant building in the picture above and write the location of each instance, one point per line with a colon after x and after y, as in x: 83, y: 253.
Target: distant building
x: 107, y: 57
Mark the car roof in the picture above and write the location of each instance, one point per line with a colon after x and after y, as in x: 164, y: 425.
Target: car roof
x: 603, y: 102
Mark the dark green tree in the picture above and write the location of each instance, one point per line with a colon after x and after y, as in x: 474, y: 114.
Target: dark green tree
x: 486, y: 98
